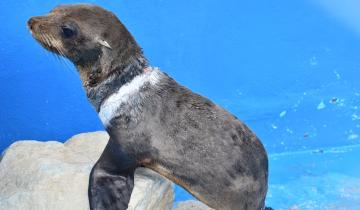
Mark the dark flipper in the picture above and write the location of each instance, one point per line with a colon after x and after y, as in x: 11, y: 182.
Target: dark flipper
x: 111, y: 180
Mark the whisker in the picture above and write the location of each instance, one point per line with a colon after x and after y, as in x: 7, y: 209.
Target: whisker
x: 57, y: 45
x: 52, y: 44
x: 43, y: 42
x: 46, y: 39
x: 67, y: 63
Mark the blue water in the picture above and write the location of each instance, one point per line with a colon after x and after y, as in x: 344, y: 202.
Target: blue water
x: 289, y: 69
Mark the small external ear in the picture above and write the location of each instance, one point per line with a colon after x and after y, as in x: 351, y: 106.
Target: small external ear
x: 102, y: 42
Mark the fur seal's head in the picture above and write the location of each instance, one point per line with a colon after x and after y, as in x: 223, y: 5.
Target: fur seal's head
x: 91, y: 37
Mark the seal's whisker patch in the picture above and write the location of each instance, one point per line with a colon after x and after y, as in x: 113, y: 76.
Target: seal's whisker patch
x: 49, y: 42
x: 56, y: 43
x: 59, y: 49
x: 46, y: 39
x: 53, y: 43
x: 41, y: 39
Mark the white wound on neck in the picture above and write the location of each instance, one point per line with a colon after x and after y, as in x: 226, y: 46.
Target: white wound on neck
x: 109, y: 108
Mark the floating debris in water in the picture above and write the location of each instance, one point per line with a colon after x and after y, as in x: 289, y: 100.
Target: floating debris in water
x: 318, y: 151
x: 338, y: 101
x: 306, y: 135
x: 283, y: 113
x: 274, y: 126
x: 321, y: 105
x: 334, y: 100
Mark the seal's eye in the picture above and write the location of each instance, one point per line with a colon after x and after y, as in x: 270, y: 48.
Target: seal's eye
x: 67, y: 31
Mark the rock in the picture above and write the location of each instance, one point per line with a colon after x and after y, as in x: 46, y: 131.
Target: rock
x: 53, y: 176
x: 192, y: 205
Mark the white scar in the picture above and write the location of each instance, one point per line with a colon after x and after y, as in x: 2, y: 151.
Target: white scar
x: 109, y: 108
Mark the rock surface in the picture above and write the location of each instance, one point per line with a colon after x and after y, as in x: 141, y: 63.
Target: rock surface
x: 53, y: 176
x: 192, y: 205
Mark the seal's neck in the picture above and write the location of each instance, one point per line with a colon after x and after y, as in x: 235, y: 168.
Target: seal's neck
x: 105, y: 77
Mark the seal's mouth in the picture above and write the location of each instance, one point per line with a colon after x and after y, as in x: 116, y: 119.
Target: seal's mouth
x: 48, y: 41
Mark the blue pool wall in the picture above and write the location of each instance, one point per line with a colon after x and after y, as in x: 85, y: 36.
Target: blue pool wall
x: 289, y: 69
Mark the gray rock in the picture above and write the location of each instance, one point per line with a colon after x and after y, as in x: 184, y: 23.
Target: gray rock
x: 54, y: 176
x: 192, y: 205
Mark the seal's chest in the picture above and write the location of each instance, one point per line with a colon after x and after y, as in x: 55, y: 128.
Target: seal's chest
x: 128, y: 98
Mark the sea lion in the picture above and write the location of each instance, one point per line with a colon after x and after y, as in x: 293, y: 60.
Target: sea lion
x: 152, y: 120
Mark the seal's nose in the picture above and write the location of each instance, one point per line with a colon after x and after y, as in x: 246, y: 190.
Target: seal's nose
x: 31, y: 22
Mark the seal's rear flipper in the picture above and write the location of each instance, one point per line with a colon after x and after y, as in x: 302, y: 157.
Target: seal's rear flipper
x: 111, y: 182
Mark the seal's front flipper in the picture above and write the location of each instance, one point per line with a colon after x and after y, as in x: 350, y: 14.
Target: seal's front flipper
x: 110, y: 191
x: 111, y: 180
